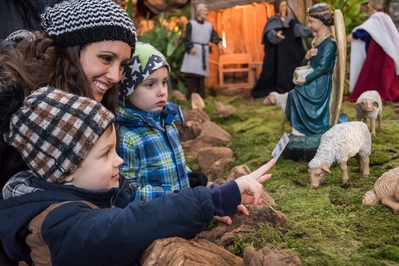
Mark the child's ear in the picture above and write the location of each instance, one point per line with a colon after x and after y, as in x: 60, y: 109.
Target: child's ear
x: 68, y: 179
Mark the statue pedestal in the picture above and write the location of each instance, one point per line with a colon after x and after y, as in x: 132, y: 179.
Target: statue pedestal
x: 302, y: 147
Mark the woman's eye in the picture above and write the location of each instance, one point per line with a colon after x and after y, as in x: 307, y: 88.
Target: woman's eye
x: 106, y: 58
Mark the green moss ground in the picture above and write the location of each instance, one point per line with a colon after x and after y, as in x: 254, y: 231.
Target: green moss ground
x: 328, y: 226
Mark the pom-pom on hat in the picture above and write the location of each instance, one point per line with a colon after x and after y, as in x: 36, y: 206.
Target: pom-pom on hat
x: 80, y: 22
x: 145, y: 60
x: 55, y: 130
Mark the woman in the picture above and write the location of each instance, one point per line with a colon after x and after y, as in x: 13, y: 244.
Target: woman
x: 374, y: 55
x: 83, y: 55
x: 283, y: 52
x: 78, y: 53
x: 308, y: 104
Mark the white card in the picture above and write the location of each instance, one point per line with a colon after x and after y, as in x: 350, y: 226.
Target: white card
x: 282, y: 143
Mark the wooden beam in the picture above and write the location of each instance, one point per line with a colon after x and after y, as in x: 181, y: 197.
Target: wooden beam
x: 217, y: 5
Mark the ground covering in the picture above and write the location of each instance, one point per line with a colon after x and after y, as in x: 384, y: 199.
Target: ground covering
x: 327, y: 226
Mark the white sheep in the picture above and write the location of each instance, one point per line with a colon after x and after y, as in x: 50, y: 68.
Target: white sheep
x: 338, y: 144
x: 369, y: 105
x: 386, y: 191
x: 280, y: 101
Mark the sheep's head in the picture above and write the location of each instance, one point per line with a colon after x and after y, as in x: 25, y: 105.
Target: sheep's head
x: 370, y: 198
x: 367, y: 105
x: 317, y: 175
x: 269, y: 100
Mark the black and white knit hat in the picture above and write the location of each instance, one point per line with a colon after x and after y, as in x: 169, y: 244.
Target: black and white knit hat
x: 55, y: 130
x: 145, y: 60
x: 80, y: 22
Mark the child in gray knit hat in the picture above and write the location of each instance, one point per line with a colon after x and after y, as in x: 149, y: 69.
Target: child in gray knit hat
x: 80, y: 212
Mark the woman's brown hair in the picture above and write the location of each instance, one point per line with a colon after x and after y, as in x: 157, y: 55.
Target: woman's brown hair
x: 41, y: 62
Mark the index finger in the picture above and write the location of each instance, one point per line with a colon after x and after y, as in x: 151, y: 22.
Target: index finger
x: 263, y: 169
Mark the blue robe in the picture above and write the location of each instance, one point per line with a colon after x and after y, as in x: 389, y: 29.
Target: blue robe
x: 308, y: 104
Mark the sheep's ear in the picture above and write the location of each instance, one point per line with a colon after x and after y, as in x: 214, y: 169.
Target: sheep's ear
x: 376, y: 104
x: 272, y: 99
x: 325, y: 168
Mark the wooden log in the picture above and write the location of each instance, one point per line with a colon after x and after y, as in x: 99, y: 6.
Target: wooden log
x: 178, y: 251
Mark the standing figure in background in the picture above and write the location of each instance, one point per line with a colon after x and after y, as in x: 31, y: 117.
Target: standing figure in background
x: 283, y: 52
x: 195, y: 63
x: 374, y: 61
x: 308, y: 104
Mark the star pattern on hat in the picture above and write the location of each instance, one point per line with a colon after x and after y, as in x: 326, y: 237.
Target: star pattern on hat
x: 158, y: 64
x: 123, y: 77
x: 136, y: 66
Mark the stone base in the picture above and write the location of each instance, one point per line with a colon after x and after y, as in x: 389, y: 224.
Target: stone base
x: 301, y: 147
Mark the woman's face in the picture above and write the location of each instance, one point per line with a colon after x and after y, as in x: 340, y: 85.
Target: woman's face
x: 315, y: 24
x: 283, y: 8
x: 103, y: 63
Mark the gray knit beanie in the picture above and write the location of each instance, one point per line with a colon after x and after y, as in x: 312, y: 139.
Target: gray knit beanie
x: 55, y: 130
x: 80, y: 22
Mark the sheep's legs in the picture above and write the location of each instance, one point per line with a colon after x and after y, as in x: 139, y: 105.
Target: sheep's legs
x: 364, y: 165
x: 344, y: 172
x: 372, y: 122
x: 393, y: 204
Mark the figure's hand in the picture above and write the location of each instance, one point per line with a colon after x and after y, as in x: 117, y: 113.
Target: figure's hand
x: 310, y: 53
x: 349, y: 38
x: 220, y: 45
x: 299, y: 81
x: 193, y: 50
x: 227, y: 220
x: 280, y: 35
x: 251, y: 186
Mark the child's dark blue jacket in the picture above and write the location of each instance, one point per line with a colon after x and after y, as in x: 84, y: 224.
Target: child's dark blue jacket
x: 77, y: 234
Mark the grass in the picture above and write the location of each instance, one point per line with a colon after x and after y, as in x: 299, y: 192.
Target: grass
x: 327, y: 226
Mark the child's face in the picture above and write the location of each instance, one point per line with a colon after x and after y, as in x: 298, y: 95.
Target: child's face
x: 103, y: 63
x: 152, y: 94
x: 100, y: 169
x: 315, y: 24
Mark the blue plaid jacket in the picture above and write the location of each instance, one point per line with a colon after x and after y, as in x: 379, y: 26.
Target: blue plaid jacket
x: 151, y: 149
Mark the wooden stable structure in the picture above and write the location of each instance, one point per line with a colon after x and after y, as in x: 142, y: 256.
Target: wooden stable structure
x: 240, y: 24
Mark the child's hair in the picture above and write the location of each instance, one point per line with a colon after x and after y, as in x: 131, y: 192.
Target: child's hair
x: 145, y: 60
x: 52, y: 129
x: 322, y: 12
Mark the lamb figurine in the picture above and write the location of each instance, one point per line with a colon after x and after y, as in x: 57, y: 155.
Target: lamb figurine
x: 338, y: 144
x: 369, y: 105
x: 386, y: 191
x: 280, y: 101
